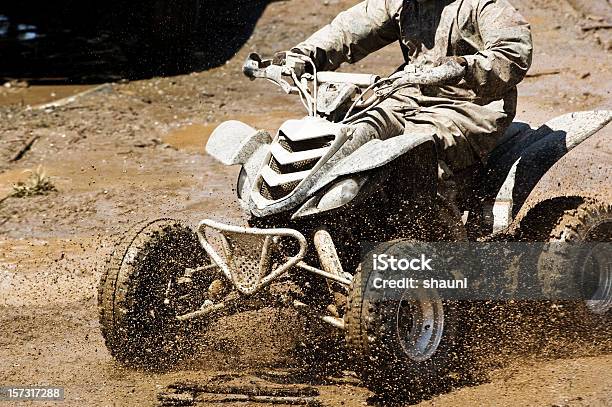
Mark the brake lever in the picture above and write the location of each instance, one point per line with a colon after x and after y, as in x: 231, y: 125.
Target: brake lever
x: 256, y: 68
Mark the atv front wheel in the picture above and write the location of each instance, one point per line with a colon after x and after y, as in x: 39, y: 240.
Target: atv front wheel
x: 578, y: 261
x: 147, y: 283
x: 402, y: 342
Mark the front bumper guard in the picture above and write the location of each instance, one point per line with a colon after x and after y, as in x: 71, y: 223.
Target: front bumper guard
x: 246, y: 259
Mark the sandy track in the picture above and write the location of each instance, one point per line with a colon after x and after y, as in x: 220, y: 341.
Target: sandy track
x: 134, y: 152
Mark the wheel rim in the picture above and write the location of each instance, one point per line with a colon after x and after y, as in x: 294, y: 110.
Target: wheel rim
x: 163, y: 297
x: 597, y: 276
x: 597, y: 269
x: 420, y: 323
x: 179, y: 299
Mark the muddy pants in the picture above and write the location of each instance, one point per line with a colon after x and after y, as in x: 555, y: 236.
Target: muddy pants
x: 465, y: 132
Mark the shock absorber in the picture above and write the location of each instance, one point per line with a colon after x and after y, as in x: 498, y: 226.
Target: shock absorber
x: 328, y: 256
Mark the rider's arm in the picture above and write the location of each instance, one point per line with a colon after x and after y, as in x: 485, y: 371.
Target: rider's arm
x: 508, y: 50
x: 353, y: 34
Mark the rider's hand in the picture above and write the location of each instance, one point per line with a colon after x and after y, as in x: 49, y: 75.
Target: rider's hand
x: 287, y: 58
x: 280, y: 58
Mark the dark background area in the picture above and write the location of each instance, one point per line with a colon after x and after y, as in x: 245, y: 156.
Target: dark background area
x: 70, y: 41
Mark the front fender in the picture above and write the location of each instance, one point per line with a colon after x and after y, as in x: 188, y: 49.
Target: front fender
x: 234, y: 142
x: 374, y: 154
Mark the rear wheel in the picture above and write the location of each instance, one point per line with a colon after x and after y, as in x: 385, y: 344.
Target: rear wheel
x: 149, y: 281
x: 578, y: 262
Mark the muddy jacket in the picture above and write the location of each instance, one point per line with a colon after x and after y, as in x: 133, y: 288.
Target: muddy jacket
x: 491, y: 34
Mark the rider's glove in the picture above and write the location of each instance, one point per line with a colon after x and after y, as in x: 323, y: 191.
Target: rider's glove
x: 279, y: 58
x: 282, y: 58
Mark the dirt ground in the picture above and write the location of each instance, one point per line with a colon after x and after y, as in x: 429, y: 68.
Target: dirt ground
x: 129, y: 151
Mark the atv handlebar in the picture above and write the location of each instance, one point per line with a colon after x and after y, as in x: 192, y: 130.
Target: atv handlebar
x: 361, y: 80
x: 255, y: 67
x: 294, y: 66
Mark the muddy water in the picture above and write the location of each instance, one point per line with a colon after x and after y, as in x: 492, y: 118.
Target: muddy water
x: 193, y: 137
x: 23, y: 95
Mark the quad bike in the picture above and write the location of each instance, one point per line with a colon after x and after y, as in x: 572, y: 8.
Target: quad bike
x: 310, y: 208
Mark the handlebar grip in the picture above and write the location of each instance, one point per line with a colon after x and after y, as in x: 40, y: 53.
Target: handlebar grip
x: 249, y: 70
x: 357, y: 79
x: 254, y: 66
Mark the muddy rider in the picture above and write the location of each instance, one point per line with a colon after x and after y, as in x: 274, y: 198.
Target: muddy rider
x: 488, y: 37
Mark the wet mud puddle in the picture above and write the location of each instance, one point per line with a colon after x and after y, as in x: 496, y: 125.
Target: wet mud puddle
x: 193, y: 137
x: 19, y: 86
x: 23, y: 94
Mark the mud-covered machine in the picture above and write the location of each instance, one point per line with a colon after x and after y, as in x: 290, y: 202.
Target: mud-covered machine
x: 311, y: 205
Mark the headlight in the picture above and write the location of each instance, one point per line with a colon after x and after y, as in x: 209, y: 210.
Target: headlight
x: 339, y: 195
